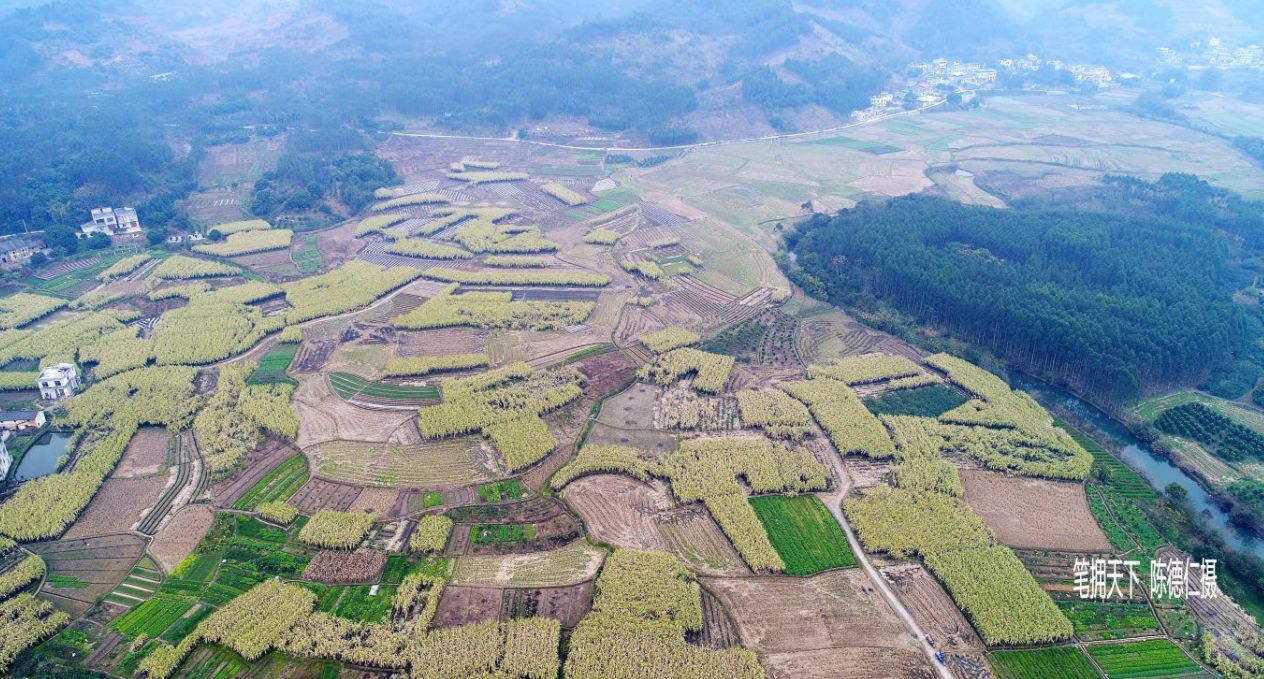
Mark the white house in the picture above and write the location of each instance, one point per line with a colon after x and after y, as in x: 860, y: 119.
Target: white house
x: 21, y: 420
x: 58, y: 381
x: 111, y: 221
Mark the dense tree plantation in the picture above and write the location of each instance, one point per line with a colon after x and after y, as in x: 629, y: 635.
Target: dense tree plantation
x: 1132, y: 288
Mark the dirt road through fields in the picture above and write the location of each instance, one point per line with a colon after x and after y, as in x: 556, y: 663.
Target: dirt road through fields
x: 834, y: 500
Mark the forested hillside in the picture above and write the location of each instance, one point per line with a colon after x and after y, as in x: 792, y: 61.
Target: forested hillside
x: 1132, y: 286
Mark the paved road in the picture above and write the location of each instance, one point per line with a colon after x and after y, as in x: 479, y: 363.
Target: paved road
x: 833, y: 500
x: 678, y: 147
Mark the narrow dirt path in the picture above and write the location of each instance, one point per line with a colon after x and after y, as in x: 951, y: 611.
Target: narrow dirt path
x: 834, y: 501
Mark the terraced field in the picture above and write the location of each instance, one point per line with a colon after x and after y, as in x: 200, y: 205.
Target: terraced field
x: 360, y: 390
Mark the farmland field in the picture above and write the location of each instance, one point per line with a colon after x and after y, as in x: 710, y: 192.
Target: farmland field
x: 351, y: 387
x: 803, y: 532
x: 1154, y: 658
x: 1094, y: 620
x: 930, y: 401
x: 278, y: 484
x: 428, y: 463
x: 1044, y: 663
x: 272, y: 366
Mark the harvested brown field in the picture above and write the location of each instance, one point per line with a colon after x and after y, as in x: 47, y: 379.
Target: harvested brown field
x: 1034, y: 513
x: 99, y: 564
x: 632, y: 408
x: 323, y: 416
x: 117, y: 506
x: 146, y: 454
x: 464, y: 604
x: 380, y: 502
x: 619, y: 511
x: 933, y: 609
x: 256, y: 466
x: 847, y: 663
x: 694, y: 536
x: 442, y: 342
x: 345, y: 568
x: 645, y: 440
x: 181, y: 534
x: 313, y: 356
x: 569, y: 565
x: 718, y: 630
x: 567, y: 605
x: 866, y: 474
x: 838, y: 609
x: 605, y: 372
x: 318, y: 494
x: 451, y: 462
x: 458, y: 540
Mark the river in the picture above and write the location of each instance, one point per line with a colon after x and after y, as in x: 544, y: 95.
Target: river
x: 41, y: 459
x: 1141, y: 457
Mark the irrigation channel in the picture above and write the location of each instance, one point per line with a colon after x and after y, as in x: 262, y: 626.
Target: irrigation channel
x: 1152, y: 466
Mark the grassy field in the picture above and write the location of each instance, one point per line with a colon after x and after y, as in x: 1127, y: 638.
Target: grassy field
x: 307, y: 258
x: 278, y: 484
x: 1098, y: 620
x: 1153, y: 658
x: 272, y: 366
x: 1043, y: 663
x: 803, y: 532
x: 930, y: 401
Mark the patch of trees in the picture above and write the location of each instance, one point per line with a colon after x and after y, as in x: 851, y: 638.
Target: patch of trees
x: 1130, y: 288
x: 835, y: 82
x: 301, y: 183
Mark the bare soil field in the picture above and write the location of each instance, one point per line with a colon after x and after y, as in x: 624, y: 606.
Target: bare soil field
x: 318, y: 494
x: 605, y: 372
x: 344, y: 568
x: 380, y: 502
x: 118, y: 506
x: 441, y: 342
x: 933, y: 609
x: 100, y: 563
x: 632, y: 408
x: 465, y: 604
x: 324, y: 416
x: 645, y: 440
x: 865, y: 474
x: 847, y: 663
x: 718, y: 630
x: 313, y: 356
x: 256, y: 465
x: 567, y: 605
x: 618, y: 510
x: 569, y: 565
x: 1034, y: 513
x: 423, y: 463
x: 181, y: 534
x: 146, y: 454
x: 694, y: 536
x: 838, y: 609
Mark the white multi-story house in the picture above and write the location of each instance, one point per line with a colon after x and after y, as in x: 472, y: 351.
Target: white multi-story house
x: 58, y: 381
x: 111, y: 221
